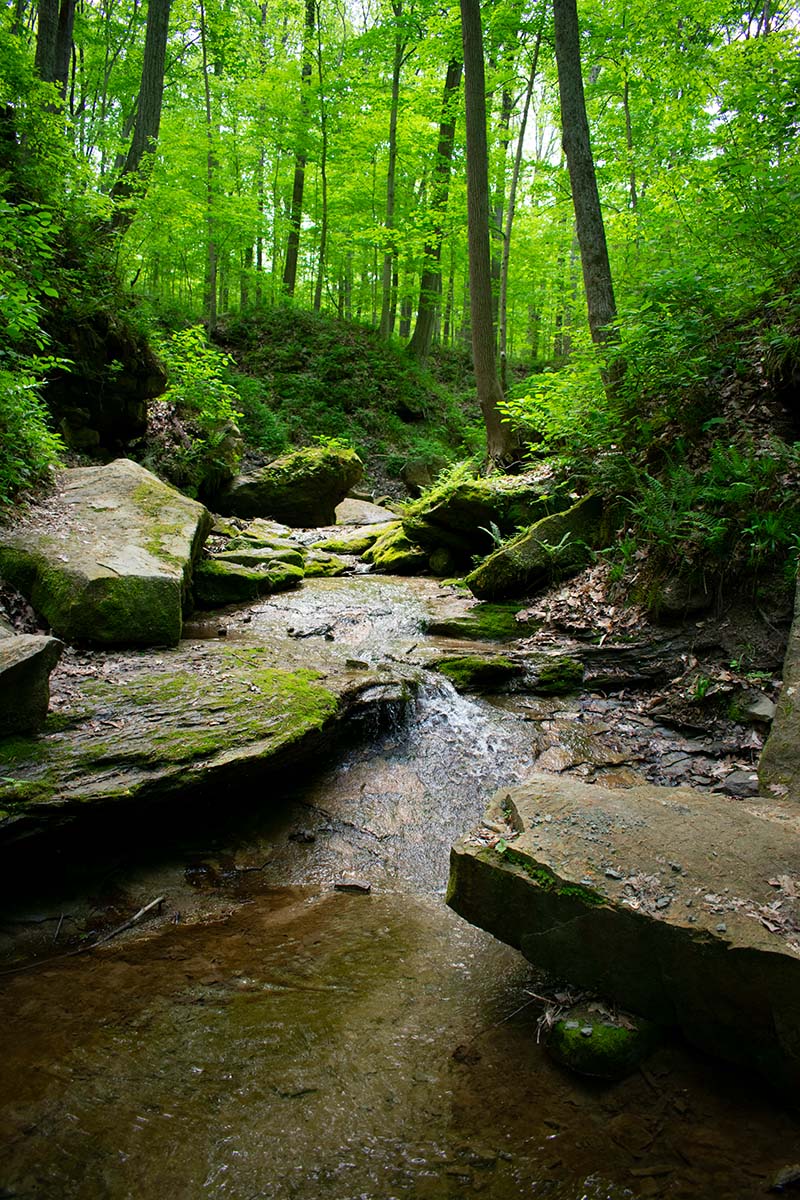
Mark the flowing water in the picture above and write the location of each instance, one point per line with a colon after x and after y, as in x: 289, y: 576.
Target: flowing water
x: 270, y: 1037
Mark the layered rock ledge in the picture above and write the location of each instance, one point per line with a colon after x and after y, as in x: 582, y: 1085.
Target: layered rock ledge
x: 148, y: 737
x: 677, y: 904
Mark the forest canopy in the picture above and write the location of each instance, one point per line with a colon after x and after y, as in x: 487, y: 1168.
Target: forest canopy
x: 198, y: 162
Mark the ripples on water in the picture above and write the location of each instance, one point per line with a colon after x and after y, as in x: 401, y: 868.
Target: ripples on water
x: 302, y: 1043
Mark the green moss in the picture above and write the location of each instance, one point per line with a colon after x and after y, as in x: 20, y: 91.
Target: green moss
x: 324, y: 566
x: 218, y: 582
x: 470, y: 672
x: 599, y: 1044
x: 545, y: 879
x: 355, y: 545
x: 559, y: 677
x: 174, y: 723
x: 484, y: 622
x: 394, y: 554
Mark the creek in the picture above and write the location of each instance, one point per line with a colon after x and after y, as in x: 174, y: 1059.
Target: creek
x: 271, y: 1037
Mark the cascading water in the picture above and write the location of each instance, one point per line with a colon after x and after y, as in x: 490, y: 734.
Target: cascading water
x: 283, y: 1040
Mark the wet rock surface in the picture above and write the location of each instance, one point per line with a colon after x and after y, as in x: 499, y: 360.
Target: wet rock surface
x: 392, y: 1047
x: 666, y: 900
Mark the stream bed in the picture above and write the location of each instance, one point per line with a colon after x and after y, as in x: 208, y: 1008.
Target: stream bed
x: 267, y: 1036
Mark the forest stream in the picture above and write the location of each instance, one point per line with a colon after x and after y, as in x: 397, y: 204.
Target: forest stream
x: 268, y: 1036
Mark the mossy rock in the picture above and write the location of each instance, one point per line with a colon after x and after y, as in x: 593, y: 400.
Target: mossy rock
x: 260, y: 555
x: 118, y: 571
x: 472, y: 673
x: 552, y: 549
x: 458, y: 514
x: 218, y: 583
x: 484, y: 622
x: 559, y: 677
x: 592, y: 1041
x: 324, y: 566
x: 356, y: 540
x: 393, y: 554
x: 301, y: 489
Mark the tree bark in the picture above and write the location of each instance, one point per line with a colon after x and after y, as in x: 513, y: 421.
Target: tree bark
x: 512, y: 201
x: 386, y: 322
x: 501, y: 443
x: 430, y: 287
x: 148, y: 113
x: 583, y: 181
x: 298, y: 185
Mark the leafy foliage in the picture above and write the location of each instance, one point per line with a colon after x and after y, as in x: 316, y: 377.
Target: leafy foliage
x: 195, y: 442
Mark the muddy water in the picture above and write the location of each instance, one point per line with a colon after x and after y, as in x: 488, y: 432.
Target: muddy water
x: 267, y: 1036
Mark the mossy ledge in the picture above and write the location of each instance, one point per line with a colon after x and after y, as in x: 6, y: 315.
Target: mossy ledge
x: 204, y: 724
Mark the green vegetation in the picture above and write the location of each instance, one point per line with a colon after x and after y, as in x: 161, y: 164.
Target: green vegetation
x: 275, y: 254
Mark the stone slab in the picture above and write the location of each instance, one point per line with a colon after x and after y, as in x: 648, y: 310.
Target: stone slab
x: 779, y: 767
x: 679, y: 905
x: 108, y: 560
x: 25, y: 665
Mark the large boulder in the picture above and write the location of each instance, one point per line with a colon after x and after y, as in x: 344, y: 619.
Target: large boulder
x: 302, y: 488
x: 779, y: 768
x: 458, y: 515
x: 109, y: 559
x: 25, y: 665
x: 393, y: 554
x: 554, y: 547
x: 677, y: 904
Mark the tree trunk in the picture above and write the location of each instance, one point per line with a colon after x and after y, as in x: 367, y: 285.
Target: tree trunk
x: 430, y: 287
x: 148, y: 113
x: 323, y: 170
x: 500, y: 440
x: 298, y: 185
x: 211, y: 170
x: 502, y: 313
x: 389, y: 254
x: 585, y: 197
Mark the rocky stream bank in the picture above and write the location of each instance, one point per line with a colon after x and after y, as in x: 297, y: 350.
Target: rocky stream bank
x: 291, y: 754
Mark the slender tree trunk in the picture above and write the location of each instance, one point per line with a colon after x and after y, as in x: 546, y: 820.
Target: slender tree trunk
x: 585, y: 197
x: 385, y: 327
x: 629, y: 143
x: 430, y: 287
x: 502, y: 313
x: 323, y: 169
x: 148, y: 113
x: 298, y: 185
x: 500, y: 441
x: 212, y: 254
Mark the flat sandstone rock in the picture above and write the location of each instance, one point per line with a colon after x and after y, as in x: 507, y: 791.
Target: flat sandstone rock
x: 680, y: 905
x: 108, y: 559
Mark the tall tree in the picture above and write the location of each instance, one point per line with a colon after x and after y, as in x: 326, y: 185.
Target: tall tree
x: 54, y: 41
x: 389, y: 255
x: 501, y: 442
x: 583, y: 180
x: 300, y: 158
x: 430, y: 287
x: 502, y: 306
x: 148, y: 113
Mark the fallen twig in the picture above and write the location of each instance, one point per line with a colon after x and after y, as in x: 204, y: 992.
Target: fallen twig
x: 43, y: 962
